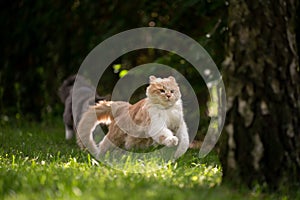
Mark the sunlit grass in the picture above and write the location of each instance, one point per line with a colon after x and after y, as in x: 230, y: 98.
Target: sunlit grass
x: 37, y: 163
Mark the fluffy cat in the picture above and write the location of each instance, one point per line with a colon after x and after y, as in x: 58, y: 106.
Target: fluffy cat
x: 65, y: 93
x: 156, y: 119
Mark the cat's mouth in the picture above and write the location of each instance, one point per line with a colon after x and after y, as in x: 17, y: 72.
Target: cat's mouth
x: 169, y: 102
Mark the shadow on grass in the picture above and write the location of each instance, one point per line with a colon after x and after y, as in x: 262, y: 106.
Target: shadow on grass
x: 37, y: 163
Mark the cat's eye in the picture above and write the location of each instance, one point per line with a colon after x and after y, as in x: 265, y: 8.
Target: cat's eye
x: 172, y: 91
x: 162, y: 90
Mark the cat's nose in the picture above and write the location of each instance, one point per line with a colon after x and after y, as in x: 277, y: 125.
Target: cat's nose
x: 168, y: 95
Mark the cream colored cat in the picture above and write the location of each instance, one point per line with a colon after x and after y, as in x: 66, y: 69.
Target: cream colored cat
x: 157, y: 119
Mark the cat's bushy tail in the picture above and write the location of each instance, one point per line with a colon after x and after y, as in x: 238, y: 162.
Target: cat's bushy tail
x: 100, y: 113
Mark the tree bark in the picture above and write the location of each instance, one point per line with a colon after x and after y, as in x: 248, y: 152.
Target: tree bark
x: 261, y: 137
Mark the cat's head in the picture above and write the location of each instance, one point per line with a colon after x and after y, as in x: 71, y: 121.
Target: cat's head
x: 163, y: 91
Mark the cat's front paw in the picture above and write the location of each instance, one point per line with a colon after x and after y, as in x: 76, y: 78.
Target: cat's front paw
x: 171, y: 141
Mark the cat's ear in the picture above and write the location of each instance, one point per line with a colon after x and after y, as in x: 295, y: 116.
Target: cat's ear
x: 172, y: 78
x: 152, y: 79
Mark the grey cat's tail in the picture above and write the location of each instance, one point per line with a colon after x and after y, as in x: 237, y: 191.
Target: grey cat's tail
x: 66, y: 87
x: 100, y: 113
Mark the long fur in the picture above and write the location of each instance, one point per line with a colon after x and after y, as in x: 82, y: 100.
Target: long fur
x: 157, y: 119
x: 91, y: 118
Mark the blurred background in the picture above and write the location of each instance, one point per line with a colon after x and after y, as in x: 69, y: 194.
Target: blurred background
x: 44, y: 42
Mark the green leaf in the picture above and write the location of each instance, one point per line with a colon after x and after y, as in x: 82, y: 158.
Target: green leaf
x: 117, y: 68
x: 123, y: 73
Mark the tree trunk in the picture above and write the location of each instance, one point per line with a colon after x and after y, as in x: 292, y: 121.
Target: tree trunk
x: 261, y: 137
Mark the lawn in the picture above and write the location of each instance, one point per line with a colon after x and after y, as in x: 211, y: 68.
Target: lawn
x: 37, y: 163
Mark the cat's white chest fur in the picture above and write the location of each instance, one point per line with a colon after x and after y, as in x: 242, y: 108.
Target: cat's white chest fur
x: 173, y: 118
x: 166, y: 117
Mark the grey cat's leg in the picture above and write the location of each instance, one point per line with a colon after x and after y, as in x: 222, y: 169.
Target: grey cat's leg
x: 183, y: 137
x: 68, y: 118
x: 69, y: 132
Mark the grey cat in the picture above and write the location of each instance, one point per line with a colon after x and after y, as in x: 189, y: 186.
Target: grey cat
x: 84, y: 100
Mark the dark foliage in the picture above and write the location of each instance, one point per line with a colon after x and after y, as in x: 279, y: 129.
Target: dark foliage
x: 43, y: 42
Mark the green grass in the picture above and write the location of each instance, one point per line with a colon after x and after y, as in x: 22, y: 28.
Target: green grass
x: 37, y: 163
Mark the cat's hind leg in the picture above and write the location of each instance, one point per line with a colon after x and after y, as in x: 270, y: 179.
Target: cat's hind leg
x: 112, y: 140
